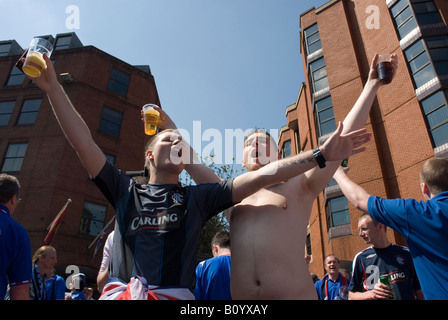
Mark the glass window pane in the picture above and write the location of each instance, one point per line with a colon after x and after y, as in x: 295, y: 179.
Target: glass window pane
x: 119, y: 82
x: 338, y: 210
x: 424, y: 75
x: 29, y: 112
x: 112, y: 115
x: 419, y: 62
x: 327, y: 127
x: 315, y: 65
x: 287, y: 148
x: 31, y: 105
x: 313, y: 38
x: 338, y: 204
x: 403, y: 16
x: 398, y: 7
x: 111, y: 122
x: 16, y: 77
x: 438, y: 116
x: 433, y: 102
x: 314, y: 47
x: 424, y: 7
x: 324, y: 104
x: 326, y: 115
x: 16, y: 150
x: 429, y: 18
x: 414, y: 50
x: 14, y: 157
x: 441, y: 67
x: 319, y: 74
x: 341, y: 218
x: 12, y: 165
x: 439, y: 54
x: 437, y: 42
x: 407, y: 27
x: 63, y: 42
x: 321, y: 84
x: 27, y: 118
x: 309, y: 31
x: 440, y: 135
x: 93, y: 216
x: 5, y: 112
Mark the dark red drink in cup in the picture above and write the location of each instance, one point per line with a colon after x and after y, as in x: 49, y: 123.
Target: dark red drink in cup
x: 385, y: 68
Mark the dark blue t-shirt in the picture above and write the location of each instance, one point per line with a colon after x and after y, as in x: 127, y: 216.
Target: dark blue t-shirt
x: 395, y: 261
x: 159, y: 226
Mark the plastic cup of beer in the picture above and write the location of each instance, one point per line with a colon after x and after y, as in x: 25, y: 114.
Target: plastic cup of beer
x: 150, y: 118
x: 385, y: 68
x: 34, y: 62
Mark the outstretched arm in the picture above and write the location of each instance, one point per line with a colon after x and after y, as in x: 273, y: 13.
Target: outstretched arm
x: 355, y: 120
x: 336, y: 148
x: 72, y: 124
x: 353, y: 192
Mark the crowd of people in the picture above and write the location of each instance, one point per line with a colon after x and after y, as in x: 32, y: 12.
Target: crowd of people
x: 151, y: 251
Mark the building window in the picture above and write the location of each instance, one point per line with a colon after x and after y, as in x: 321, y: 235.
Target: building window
x: 29, y: 112
x: 111, y: 121
x: 14, y: 157
x: 16, y: 77
x: 6, y: 108
x: 286, y: 149
x: 92, y: 219
x: 438, y: 50
x: 312, y: 39
x: 4, y: 49
x: 318, y: 73
x: 426, y: 12
x: 309, y: 251
x: 63, y: 42
x: 337, y: 212
x: 435, y: 109
x: 422, y: 70
x: 403, y: 17
x: 325, y: 120
x: 119, y: 82
x: 407, y: 18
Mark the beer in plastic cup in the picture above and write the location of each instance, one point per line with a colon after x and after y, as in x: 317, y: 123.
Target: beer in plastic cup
x: 35, y: 63
x: 150, y: 118
x: 385, y: 68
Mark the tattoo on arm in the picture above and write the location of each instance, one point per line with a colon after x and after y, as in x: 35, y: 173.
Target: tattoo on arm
x: 293, y: 162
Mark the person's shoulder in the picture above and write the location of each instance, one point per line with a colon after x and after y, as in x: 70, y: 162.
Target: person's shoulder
x: 400, y: 248
x: 364, y: 254
x: 16, y: 227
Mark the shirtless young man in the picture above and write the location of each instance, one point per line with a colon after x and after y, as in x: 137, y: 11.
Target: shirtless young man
x: 267, y: 227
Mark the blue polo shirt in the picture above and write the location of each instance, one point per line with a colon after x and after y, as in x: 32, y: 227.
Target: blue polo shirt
x: 328, y: 289
x: 15, y: 253
x: 424, y: 224
x: 213, y: 279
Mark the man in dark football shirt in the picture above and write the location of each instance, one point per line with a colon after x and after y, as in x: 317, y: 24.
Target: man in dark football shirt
x: 382, y: 258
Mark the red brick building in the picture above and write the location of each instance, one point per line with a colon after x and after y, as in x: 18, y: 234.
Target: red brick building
x: 109, y: 94
x: 409, y: 118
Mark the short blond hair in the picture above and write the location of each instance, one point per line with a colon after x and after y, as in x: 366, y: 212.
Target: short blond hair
x: 42, y: 252
x: 434, y: 174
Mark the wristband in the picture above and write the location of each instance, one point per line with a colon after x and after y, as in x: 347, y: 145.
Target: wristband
x: 319, y: 158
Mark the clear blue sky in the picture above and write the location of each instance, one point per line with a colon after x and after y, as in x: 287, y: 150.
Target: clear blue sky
x: 232, y: 64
